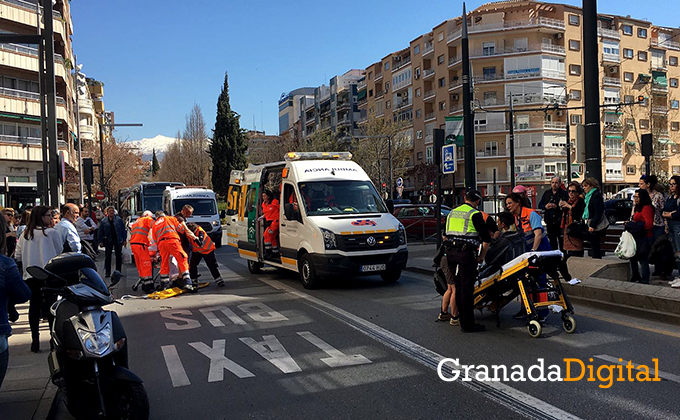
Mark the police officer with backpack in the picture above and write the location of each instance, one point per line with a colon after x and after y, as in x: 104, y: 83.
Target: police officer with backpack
x: 465, y: 232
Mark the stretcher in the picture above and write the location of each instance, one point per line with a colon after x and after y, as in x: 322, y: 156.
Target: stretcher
x: 174, y: 291
x: 533, y: 277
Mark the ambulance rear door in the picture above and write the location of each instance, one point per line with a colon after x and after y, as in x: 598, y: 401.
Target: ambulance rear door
x: 235, y: 211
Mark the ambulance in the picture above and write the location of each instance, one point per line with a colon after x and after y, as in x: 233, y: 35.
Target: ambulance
x: 204, y: 202
x: 332, y: 221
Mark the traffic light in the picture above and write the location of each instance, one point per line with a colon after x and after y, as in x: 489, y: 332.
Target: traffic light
x: 641, y: 99
x: 646, y: 149
x: 88, y: 174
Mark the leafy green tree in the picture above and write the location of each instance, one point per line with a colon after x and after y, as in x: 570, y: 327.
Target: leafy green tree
x: 229, y: 143
x: 155, y: 166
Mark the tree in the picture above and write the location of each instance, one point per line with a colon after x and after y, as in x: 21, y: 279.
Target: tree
x: 123, y: 167
x: 229, y: 143
x: 155, y: 166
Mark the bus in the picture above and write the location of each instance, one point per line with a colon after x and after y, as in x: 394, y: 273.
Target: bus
x: 133, y: 201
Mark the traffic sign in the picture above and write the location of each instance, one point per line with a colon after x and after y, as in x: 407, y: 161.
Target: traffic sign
x: 449, y: 159
x: 400, y: 182
x: 99, y: 195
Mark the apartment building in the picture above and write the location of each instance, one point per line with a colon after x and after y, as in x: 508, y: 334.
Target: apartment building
x: 289, y: 111
x: 20, y: 138
x: 530, y: 53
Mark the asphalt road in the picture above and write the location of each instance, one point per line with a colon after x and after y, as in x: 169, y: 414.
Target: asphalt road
x: 264, y: 347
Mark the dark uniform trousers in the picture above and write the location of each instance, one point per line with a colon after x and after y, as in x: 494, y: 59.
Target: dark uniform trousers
x: 463, y: 265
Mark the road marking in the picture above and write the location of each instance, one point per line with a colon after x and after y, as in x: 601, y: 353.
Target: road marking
x: 273, y: 351
x: 664, y: 375
x: 218, y: 362
x: 212, y: 318
x: 515, y: 400
x: 337, y: 358
x: 190, y: 323
x: 631, y: 325
x: 175, y: 367
x: 260, y: 312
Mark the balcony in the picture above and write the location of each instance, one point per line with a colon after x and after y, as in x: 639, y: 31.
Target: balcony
x: 430, y: 116
x: 455, y: 108
x: 361, y: 85
x: 613, y: 177
x: 608, y: 33
x: 344, y: 121
x: 428, y: 48
x: 613, y: 152
x: 24, y: 13
x: 613, y: 128
x: 98, y: 106
x: 379, y: 94
x: 540, y: 151
x: 534, y: 48
x: 378, y: 76
x: 659, y: 109
x: 21, y: 56
x: 659, y: 88
x: 401, y: 64
x: 452, y: 36
x: 29, y: 141
x: 612, y: 58
x: 504, y: 128
x: 429, y: 96
x: 455, y: 84
x: 520, y: 74
x: 668, y: 44
x: 491, y: 153
x: 310, y: 121
x: 528, y: 99
x: 361, y: 102
x: 342, y: 106
x: 455, y: 60
x: 427, y: 73
x: 518, y: 24
x: 611, y: 81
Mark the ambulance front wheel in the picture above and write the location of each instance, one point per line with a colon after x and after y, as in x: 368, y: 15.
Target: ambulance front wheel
x: 254, y: 267
x: 569, y: 324
x: 534, y: 328
x: 307, y: 273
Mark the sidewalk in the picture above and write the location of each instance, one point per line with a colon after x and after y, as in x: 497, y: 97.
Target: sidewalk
x: 604, y: 283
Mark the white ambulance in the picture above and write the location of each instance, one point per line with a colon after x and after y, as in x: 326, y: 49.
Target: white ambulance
x: 203, y: 201
x: 332, y: 221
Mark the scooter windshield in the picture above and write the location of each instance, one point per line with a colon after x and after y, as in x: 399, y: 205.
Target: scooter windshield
x: 91, y: 278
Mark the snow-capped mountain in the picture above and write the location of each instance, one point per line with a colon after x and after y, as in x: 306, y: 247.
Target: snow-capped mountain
x: 146, y: 146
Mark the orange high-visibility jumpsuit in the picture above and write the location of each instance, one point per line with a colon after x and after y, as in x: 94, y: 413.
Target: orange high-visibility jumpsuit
x: 165, y: 233
x: 204, y: 251
x: 271, y: 215
x: 139, y: 242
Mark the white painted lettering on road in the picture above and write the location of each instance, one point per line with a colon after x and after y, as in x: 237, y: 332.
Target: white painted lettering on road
x: 259, y: 312
x: 212, y: 318
x: 337, y: 358
x: 271, y: 349
x: 189, y: 323
x: 175, y: 368
x: 218, y: 362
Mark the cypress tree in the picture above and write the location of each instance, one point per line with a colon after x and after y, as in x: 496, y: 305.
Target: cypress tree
x: 229, y: 143
x: 155, y: 166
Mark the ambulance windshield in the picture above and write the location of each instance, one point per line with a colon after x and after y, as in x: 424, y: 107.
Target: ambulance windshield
x: 340, y: 197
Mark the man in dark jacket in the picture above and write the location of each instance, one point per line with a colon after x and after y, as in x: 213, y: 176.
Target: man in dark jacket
x: 553, y: 214
x: 113, y: 235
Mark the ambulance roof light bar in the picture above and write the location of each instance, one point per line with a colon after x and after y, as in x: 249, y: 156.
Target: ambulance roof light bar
x: 292, y: 156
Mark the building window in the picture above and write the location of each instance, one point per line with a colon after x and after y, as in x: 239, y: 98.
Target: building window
x: 644, y: 124
x: 429, y: 156
x: 417, y: 73
x: 416, y: 49
x: 575, y: 119
x: 630, y: 123
x: 488, y: 48
x: 388, y: 104
x: 441, y: 82
x: 675, y: 104
x: 440, y: 37
x: 419, y: 135
x: 675, y: 126
x: 676, y: 170
x: 417, y: 92
x: 575, y: 69
x: 574, y: 45
x: 387, y: 66
x: 672, y: 60
x: 630, y: 169
x: 642, y: 33
x: 419, y: 113
x: 612, y: 147
x: 627, y: 29
x: 628, y: 76
x: 440, y: 59
x: 628, y: 99
x: 370, y: 93
x: 489, y: 98
x: 574, y: 20
x: 387, y: 86
x: 442, y: 105
x: 420, y: 155
x: 673, y: 82
x: 628, y: 53
x: 575, y: 94
x: 642, y: 55
x: 491, y: 148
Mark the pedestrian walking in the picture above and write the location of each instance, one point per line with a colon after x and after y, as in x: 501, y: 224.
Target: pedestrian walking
x: 86, y: 226
x: 113, y: 235
x: 671, y: 213
x: 641, y: 226
x: 449, y: 297
x: 12, y: 291
x: 593, y: 215
x: 552, y: 212
x: 67, y: 228
x: 572, y: 212
x: 38, y: 244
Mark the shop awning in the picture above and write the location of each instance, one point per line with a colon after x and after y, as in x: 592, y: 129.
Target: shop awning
x: 631, y: 143
x: 613, y: 112
x: 660, y: 78
x: 361, y: 95
x: 24, y: 117
x: 614, y: 137
x: 665, y: 141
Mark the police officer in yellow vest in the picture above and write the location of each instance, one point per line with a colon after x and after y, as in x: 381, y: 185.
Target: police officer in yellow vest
x: 466, y: 231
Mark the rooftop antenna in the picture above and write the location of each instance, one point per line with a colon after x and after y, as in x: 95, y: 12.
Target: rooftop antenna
x: 254, y: 126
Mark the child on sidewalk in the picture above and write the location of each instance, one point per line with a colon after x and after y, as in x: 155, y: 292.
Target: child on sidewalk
x: 203, y: 248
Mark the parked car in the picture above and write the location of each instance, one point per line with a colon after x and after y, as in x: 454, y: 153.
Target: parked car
x: 626, y: 193
x: 420, y: 219
x: 618, y: 210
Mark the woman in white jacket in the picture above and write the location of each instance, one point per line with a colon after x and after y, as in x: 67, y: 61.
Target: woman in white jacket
x: 37, y: 244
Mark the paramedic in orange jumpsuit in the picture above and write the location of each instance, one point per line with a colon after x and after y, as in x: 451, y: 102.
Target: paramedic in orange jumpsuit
x: 203, y: 248
x: 270, y: 213
x: 165, y: 232
x: 139, y: 242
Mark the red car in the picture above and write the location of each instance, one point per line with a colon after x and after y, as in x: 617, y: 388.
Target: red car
x: 420, y: 220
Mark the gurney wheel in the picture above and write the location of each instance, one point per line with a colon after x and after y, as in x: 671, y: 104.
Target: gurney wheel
x: 568, y: 323
x: 534, y: 328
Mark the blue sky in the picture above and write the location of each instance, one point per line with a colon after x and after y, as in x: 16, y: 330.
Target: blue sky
x: 157, y: 58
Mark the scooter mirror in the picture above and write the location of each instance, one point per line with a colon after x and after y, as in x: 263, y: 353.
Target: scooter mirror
x: 115, y: 278
x: 38, y: 273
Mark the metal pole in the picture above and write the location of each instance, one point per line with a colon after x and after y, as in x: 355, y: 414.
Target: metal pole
x: 511, y: 117
x: 495, y: 197
x: 591, y: 81
x: 568, y: 150
x: 101, y: 155
x: 45, y: 197
x: 389, y: 150
x: 51, y: 103
x: 468, y: 129
x: 80, y: 147
x: 648, y: 165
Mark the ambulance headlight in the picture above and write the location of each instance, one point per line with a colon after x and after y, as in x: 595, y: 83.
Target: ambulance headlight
x: 328, y: 239
x: 215, y: 222
x: 402, y: 234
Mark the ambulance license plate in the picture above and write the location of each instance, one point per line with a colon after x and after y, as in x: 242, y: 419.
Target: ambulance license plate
x: 373, y: 267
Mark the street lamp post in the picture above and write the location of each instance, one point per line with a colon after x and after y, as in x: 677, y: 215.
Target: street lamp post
x: 101, y: 147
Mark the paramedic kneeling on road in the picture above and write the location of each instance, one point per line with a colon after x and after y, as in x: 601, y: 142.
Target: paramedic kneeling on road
x: 165, y: 232
x: 465, y: 229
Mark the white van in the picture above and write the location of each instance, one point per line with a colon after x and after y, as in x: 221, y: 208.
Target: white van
x: 332, y: 220
x: 204, y: 203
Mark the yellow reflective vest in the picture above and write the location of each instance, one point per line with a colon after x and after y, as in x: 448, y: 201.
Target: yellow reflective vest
x: 459, y: 222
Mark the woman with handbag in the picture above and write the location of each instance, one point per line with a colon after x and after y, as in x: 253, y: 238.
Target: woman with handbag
x: 671, y: 214
x: 593, y: 215
x: 641, y: 226
x: 572, y: 224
